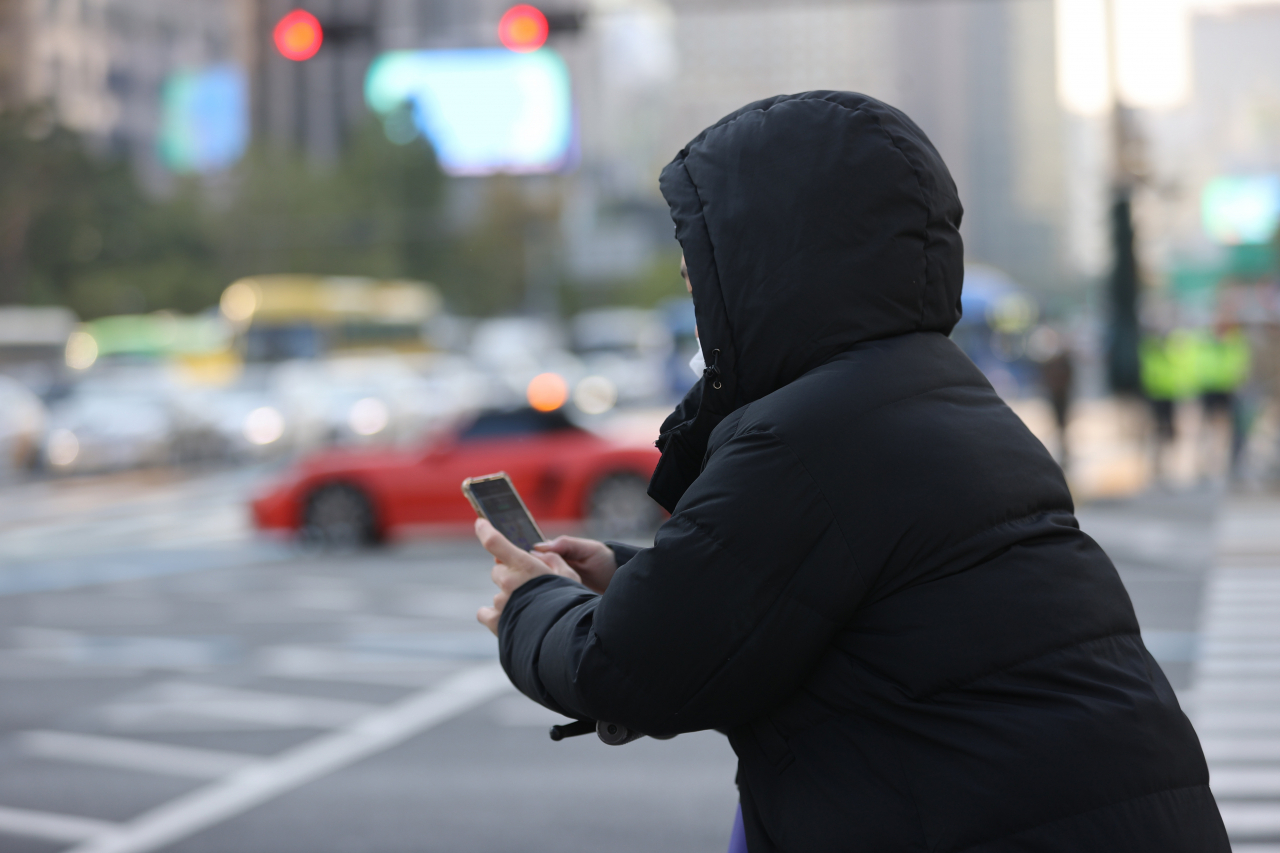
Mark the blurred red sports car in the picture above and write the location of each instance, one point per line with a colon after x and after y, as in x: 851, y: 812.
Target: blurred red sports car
x: 563, y: 472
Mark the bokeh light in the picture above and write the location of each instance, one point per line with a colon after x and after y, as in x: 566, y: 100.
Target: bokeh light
x: 298, y: 35
x: 369, y: 416
x: 523, y: 29
x: 595, y: 395
x: 82, y: 350
x: 239, y: 301
x: 548, y: 392
x: 263, y: 426
x: 63, y: 448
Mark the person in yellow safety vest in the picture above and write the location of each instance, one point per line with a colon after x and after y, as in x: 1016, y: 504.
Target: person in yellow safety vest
x: 1222, y: 367
x: 1168, y: 368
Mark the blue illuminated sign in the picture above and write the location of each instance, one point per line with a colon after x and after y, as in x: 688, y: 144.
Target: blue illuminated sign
x: 484, y: 110
x: 1241, y: 210
x: 204, y: 123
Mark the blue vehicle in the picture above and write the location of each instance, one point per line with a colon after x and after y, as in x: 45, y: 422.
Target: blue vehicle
x: 998, y: 316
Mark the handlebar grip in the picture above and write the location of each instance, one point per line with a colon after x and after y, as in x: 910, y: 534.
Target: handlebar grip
x: 612, y: 734
x: 615, y: 734
x: 581, y: 727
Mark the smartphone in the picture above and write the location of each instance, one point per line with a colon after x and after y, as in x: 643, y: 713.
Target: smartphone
x: 496, y: 499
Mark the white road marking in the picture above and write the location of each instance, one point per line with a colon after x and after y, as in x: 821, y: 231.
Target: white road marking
x: 255, y: 785
x: 1235, y: 701
x: 321, y: 663
x: 179, y: 706
x: 1242, y: 782
x: 122, y: 652
x: 17, y: 666
x: 1216, y: 719
x: 1238, y: 630
x: 133, y: 754
x: 1240, y: 749
x: 1244, y: 818
x: 1242, y: 666
x: 1234, y: 693
x: 52, y: 827
x: 1244, y: 648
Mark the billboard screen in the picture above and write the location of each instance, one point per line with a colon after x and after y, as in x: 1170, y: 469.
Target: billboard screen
x: 1241, y: 210
x: 483, y: 110
x: 204, y: 123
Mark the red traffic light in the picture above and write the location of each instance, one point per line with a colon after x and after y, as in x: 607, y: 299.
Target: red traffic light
x: 298, y: 35
x: 523, y: 29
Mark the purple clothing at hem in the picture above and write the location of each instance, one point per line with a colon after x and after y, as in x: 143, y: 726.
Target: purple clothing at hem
x: 738, y: 838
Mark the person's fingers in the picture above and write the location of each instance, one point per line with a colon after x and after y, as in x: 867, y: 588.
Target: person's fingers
x: 560, y: 545
x: 488, y: 617
x: 557, y: 564
x: 506, y: 578
x: 498, y: 545
x: 548, y: 558
x: 500, y: 600
x: 569, y: 547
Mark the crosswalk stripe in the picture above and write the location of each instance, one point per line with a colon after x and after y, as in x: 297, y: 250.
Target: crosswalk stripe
x: 252, y: 786
x: 1234, y: 690
x: 1231, y: 628
x: 182, y: 706
x: 1238, y: 719
x: 1243, y: 782
x: 1235, y: 700
x: 133, y: 754
x: 1216, y: 647
x: 1250, y: 819
x: 1259, y: 666
x: 50, y: 826
x: 1222, y: 749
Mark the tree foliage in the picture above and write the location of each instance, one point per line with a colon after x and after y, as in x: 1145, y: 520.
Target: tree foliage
x: 77, y: 229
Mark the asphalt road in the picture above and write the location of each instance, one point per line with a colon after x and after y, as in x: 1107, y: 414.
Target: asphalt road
x: 169, y: 682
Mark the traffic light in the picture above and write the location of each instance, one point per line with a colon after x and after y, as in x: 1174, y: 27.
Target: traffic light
x: 523, y: 29
x: 298, y: 35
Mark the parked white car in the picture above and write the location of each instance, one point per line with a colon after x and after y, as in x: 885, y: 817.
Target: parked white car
x: 22, y: 419
x: 103, y: 427
x: 628, y: 347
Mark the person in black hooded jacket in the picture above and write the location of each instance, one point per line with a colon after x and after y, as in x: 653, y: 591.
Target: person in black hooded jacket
x: 872, y: 579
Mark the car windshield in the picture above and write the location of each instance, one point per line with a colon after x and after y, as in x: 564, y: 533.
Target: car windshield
x: 515, y: 423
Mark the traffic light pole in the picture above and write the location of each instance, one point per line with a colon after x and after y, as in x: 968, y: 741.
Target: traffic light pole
x: 1123, y: 369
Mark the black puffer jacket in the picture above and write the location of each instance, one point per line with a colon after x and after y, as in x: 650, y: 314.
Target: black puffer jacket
x: 872, y: 578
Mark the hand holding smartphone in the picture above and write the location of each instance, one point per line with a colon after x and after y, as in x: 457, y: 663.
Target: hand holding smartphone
x: 495, y: 499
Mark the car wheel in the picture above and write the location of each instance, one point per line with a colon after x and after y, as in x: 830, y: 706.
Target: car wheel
x: 339, y: 517
x: 620, y: 506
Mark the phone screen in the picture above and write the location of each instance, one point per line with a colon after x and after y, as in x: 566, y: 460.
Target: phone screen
x: 501, y: 505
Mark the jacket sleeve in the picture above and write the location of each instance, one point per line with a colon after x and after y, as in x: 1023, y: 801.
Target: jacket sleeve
x: 622, y: 552
x: 744, y: 589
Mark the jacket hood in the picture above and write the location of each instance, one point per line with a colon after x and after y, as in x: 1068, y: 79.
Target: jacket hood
x: 810, y: 223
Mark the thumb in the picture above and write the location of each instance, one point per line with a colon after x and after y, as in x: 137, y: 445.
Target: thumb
x: 498, y: 545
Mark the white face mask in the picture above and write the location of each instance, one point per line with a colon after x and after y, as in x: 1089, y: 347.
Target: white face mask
x: 698, y: 364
